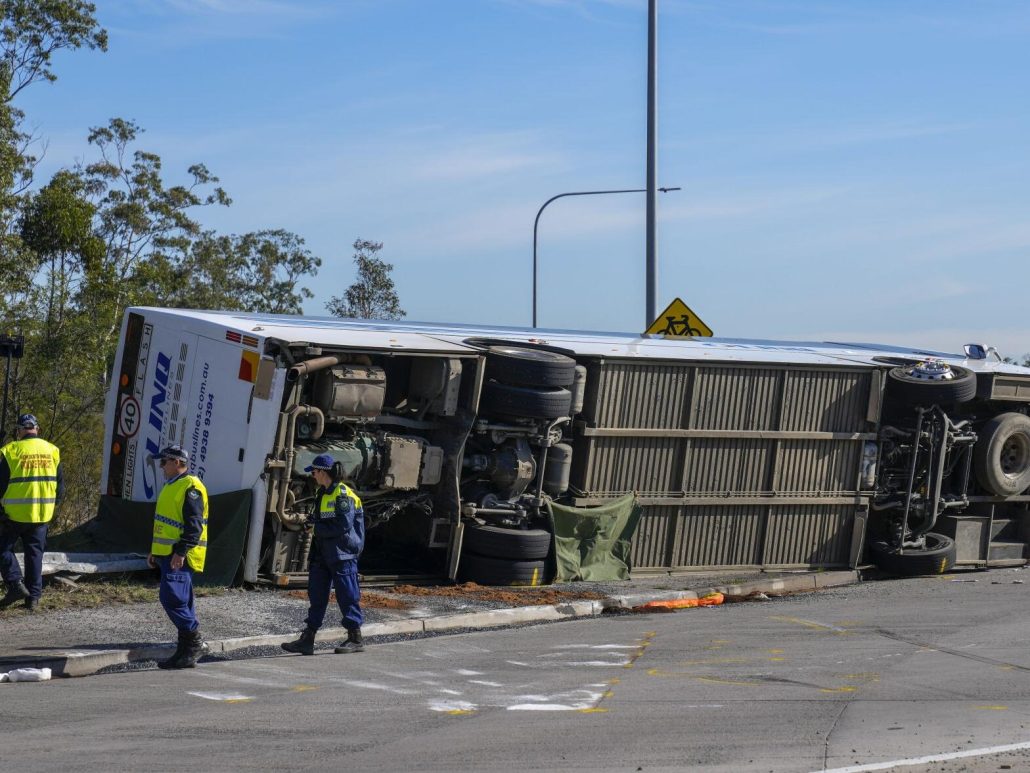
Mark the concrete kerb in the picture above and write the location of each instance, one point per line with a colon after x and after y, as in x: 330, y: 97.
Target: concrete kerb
x: 88, y: 663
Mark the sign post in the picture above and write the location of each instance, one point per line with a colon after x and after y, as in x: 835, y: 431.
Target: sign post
x: 11, y: 347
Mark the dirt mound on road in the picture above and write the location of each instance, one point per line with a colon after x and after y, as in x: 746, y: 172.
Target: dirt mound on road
x: 368, y: 600
x: 514, y: 596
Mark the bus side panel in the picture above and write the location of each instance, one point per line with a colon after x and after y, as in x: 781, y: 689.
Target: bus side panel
x: 215, y: 426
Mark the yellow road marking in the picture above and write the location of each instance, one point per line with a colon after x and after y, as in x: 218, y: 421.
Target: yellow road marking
x: 810, y: 624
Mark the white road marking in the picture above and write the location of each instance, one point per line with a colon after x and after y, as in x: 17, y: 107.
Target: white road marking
x: 595, y: 646
x: 452, y: 706
x: 467, y: 672
x: 546, y: 707
x: 208, y: 673
x: 930, y: 758
x: 485, y: 683
x: 574, y: 700
x: 340, y: 680
x: 219, y: 696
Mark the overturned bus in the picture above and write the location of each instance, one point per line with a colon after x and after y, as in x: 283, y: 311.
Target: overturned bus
x: 741, y: 453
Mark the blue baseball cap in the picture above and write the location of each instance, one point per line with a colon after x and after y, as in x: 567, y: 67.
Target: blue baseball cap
x: 176, y: 452
x: 321, y: 462
x: 27, y: 421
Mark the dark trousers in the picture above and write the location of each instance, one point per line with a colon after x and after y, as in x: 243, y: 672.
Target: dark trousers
x: 176, y: 594
x: 33, y: 540
x: 344, y: 579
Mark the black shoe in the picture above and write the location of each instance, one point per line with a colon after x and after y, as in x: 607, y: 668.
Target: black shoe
x: 16, y: 591
x: 31, y: 604
x: 354, y: 643
x: 305, y: 645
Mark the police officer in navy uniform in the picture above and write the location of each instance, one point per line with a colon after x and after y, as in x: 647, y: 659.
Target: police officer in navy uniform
x: 178, y: 550
x: 31, y: 485
x: 339, y: 538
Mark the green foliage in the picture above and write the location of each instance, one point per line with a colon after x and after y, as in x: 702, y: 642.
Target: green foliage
x: 254, y: 272
x: 373, y: 295
x: 33, y: 30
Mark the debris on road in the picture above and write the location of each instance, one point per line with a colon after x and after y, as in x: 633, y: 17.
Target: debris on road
x: 26, y: 675
x: 672, y: 605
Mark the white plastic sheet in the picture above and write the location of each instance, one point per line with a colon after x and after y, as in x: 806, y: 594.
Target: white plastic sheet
x: 26, y: 675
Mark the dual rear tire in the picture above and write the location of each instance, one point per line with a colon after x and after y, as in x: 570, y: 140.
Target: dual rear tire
x: 492, y: 555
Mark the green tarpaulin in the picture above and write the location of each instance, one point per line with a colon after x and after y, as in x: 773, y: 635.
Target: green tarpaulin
x: 593, y: 543
x: 122, y: 526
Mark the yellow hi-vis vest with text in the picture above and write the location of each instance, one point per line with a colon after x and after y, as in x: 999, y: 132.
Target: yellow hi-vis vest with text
x: 32, y: 489
x: 168, y: 523
x: 327, y: 507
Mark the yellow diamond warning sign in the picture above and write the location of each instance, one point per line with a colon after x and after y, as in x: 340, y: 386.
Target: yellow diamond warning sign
x: 678, y: 321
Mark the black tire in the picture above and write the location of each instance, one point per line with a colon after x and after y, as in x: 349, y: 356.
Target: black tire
x: 498, y: 542
x: 936, y: 558
x: 1001, y: 456
x: 484, y: 570
x: 524, y: 402
x: 529, y: 367
x: 912, y: 390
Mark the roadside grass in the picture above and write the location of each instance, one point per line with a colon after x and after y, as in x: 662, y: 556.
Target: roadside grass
x: 94, y: 592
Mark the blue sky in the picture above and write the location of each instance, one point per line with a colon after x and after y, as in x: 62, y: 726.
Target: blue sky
x: 850, y: 170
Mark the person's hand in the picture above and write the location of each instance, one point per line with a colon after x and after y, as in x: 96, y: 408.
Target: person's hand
x: 177, y: 561
x: 152, y: 561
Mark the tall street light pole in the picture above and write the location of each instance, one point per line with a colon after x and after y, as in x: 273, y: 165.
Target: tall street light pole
x: 536, y: 223
x: 651, y: 270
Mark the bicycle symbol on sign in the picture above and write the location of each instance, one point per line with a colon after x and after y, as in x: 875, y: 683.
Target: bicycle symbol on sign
x: 679, y: 327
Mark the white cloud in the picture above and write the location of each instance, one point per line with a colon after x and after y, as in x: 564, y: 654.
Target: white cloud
x: 482, y: 156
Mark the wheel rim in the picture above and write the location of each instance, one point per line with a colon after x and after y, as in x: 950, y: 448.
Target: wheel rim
x: 931, y: 370
x: 1015, y: 455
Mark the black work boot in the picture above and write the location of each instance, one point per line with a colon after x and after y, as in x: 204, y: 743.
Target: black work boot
x: 180, y: 649
x: 195, y: 649
x: 354, y: 643
x: 31, y: 604
x: 305, y: 645
x: 191, y: 648
x: 16, y: 591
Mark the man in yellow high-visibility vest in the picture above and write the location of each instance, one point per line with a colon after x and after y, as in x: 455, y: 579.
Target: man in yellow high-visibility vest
x: 30, y: 486
x: 178, y: 549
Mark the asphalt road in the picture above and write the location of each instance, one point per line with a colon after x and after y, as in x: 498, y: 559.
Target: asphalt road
x: 881, y: 673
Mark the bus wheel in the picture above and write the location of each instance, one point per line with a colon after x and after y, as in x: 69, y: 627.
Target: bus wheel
x: 498, y: 542
x: 933, y: 382
x: 525, y: 402
x: 529, y: 367
x: 484, y: 570
x: 1001, y: 456
x: 936, y: 557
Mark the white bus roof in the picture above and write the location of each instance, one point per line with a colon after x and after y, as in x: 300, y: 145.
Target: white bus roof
x: 448, y: 337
